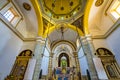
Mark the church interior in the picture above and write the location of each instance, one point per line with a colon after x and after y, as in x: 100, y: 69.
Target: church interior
x: 59, y: 40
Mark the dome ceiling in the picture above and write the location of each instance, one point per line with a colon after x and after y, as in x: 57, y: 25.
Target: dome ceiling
x: 62, y: 9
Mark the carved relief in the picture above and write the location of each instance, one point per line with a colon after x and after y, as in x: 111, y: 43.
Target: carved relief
x: 27, y: 6
x: 99, y: 2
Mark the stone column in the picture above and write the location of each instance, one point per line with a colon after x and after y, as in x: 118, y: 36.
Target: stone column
x: 87, y: 48
x: 40, y: 44
x: 50, y: 66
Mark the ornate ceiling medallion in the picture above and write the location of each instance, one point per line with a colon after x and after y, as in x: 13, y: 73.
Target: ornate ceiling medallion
x: 26, y: 6
x: 98, y: 3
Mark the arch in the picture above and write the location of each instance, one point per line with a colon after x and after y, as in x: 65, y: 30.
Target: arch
x: 59, y: 59
x: 36, y: 6
x: 104, y: 52
x: 52, y: 28
x: 26, y: 53
x: 86, y: 16
x: 65, y: 42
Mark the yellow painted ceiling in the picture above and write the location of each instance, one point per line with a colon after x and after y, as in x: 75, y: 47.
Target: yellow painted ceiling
x: 60, y: 7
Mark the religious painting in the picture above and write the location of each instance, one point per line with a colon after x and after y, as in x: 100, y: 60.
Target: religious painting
x: 20, y: 66
x: 110, y: 71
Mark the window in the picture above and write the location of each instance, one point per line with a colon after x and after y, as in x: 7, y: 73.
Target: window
x: 115, y: 11
x: 10, y: 14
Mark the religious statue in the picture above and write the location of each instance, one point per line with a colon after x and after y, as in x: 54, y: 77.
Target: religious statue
x: 63, y: 65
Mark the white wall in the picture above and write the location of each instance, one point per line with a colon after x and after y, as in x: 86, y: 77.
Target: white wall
x: 100, y: 43
x: 28, y: 45
x: 10, y: 45
x: 113, y: 41
x: 83, y: 62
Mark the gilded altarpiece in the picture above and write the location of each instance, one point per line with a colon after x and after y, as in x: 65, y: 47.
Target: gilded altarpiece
x: 20, y: 66
x: 109, y: 63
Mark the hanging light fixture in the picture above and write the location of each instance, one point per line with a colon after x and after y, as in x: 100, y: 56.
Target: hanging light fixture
x: 62, y: 28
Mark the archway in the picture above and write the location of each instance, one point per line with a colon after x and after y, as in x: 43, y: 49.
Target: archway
x: 52, y: 28
x: 60, y: 57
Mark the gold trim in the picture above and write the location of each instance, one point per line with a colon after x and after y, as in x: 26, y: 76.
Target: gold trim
x: 52, y: 28
x: 37, y: 9
x: 86, y: 16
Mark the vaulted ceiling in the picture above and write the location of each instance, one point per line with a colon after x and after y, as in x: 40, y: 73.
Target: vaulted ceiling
x: 69, y: 11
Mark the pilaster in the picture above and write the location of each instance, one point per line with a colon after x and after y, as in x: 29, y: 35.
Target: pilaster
x: 50, y: 66
x: 77, y: 65
x: 77, y: 61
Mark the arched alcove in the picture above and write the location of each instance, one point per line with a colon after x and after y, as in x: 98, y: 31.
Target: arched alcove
x: 67, y: 59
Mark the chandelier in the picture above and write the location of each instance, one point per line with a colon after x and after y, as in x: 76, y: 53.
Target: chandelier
x: 61, y: 28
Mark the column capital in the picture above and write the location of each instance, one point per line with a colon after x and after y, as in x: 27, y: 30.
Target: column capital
x: 75, y: 53
x: 40, y: 39
x: 89, y: 37
x: 83, y: 39
x: 51, y: 54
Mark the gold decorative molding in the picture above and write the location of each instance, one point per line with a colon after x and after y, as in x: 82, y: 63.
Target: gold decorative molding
x: 20, y: 66
x: 109, y: 63
x: 37, y: 9
x: 86, y: 16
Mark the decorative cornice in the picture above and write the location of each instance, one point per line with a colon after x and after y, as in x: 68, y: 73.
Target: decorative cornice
x: 112, y: 29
